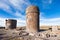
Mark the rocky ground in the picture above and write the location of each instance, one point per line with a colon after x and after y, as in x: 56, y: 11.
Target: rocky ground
x: 23, y: 35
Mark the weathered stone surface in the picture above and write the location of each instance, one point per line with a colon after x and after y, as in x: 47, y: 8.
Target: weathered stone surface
x: 32, y: 19
x: 11, y: 24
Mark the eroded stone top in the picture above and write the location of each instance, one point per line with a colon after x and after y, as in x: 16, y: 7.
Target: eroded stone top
x: 32, y: 9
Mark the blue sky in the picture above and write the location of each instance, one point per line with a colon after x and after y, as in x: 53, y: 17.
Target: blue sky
x: 15, y: 9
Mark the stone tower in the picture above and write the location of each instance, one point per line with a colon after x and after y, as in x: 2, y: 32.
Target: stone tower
x: 32, y: 19
x: 54, y: 28
x: 11, y: 24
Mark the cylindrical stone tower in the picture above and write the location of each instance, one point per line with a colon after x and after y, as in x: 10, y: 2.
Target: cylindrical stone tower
x: 11, y: 24
x: 32, y: 19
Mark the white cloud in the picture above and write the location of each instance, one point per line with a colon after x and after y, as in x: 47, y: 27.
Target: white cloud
x: 18, y: 14
x: 46, y: 4
x: 48, y: 21
x: 21, y: 22
x: 47, y: 1
x: 5, y: 7
x: 52, y: 21
x: 20, y: 4
x: 2, y: 22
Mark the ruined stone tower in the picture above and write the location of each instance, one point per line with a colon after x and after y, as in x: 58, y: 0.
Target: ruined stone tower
x: 54, y: 28
x: 32, y: 19
x: 11, y: 24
